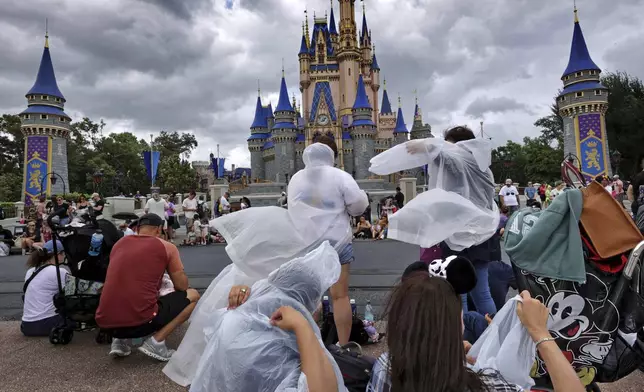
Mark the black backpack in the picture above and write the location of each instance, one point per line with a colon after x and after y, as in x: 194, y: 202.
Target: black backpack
x: 330, y: 334
x: 355, y: 367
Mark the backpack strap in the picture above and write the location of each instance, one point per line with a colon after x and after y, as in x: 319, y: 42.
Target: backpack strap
x: 33, y: 275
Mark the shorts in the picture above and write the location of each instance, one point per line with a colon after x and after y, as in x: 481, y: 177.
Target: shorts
x: 170, y: 221
x: 170, y: 306
x: 346, y: 254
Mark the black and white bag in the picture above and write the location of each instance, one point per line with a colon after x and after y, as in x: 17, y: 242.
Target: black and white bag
x: 355, y: 367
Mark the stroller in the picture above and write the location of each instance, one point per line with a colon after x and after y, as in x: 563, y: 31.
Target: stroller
x: 598, y: 325
x: 79, y: 295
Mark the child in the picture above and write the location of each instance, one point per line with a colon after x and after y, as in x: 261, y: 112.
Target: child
x: 196, y: 230
x: 204, y: 231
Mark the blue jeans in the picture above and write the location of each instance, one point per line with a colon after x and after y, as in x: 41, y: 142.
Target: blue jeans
x: 481, y: 293
x: 475, y: 325
x: 501, y: 277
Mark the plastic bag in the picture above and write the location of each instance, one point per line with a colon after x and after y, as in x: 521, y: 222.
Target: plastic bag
x: 506, y: 347
x: 458, y: 207
x: 245, y: 352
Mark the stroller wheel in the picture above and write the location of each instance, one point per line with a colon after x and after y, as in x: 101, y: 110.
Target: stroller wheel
x: 593, y: 388
x: 103, y: 337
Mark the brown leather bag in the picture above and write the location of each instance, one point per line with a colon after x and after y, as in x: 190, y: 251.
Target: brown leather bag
x: 609, y: 227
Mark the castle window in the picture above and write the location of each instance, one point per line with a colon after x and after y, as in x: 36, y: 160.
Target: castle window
x: 593, y: 72
x: 342, y: 98
x: 45, y: 98
x: 562, y: 99
x: 579, y: 94
x: 578, y: 74
x: 349, y: 71
x: 26, y: 117
x: 43, y: 116
x: 598, y: 92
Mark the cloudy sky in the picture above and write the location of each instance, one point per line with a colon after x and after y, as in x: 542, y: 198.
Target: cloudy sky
x: 192, y: 65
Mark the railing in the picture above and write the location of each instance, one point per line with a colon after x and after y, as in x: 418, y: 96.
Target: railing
x: 10, y: 210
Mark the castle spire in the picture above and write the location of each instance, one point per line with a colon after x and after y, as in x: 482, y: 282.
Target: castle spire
x: 365, y: 30
x: 46, y: 79
x: 304, y: 46
x: 385, y: 108
x: 362, y: 101
x: 580, y: 59
x: 259, y: 121
x: 283, y: 104
x: 332, y: 28
x: 46, y: 33
x: 400, y: 120
x: 306, y: 17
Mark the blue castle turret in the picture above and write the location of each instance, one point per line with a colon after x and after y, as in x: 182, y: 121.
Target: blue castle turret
x: 362, y: 132
x: 259, y: 135
x: 582, y: 104
x: 401, y: 134
x: 45, y: 126
x: 284, y: 132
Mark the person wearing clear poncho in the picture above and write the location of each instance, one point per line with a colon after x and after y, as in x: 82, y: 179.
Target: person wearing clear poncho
x: 458, y: 209
x: 261, y: 239
x: 261, y: 345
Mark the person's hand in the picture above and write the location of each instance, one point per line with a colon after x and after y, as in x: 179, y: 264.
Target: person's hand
x: 417, y: 146
x: 288, y: 319
x: 467, y: 346
x: 237, y: 296
x: 534, y: 316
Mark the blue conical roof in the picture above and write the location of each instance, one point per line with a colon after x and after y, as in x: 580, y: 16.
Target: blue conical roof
x: 386, y: 105
x: 362, y: 102
x: 46, y: 80
x: 374, y: 63
x: 400, y: 123
x: 284, y: 104
x: 365, y: 29
x: 303, y: 47
x: 332, y: 28
x: 579, y: 57
x: 260, y: 115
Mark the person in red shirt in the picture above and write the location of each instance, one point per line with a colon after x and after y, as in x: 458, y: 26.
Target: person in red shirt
x: 130, y: 306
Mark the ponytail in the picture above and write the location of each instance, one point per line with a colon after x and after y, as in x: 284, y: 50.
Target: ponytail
x: 37, y: 258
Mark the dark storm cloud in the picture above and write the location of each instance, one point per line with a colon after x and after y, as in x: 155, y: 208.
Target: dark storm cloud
x: 483, y: 105
x: 193, y: 65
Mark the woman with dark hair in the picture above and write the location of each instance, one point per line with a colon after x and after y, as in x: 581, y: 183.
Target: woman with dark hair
x: 426, y: 350
x: 41, y: 284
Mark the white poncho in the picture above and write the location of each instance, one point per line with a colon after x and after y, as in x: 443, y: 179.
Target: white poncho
x: 261, y: 239
x: 245, y: 352
x: 458, y: 206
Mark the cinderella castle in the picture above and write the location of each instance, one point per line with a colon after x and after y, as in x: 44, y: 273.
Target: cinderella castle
x: 340, y: 87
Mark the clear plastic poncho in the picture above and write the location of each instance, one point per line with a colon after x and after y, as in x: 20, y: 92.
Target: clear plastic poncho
x: 458, y: 206
x: 261, y: 239
x: 245, y: 352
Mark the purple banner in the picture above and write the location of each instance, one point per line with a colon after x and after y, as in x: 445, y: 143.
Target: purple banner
x: 36, y: 168
x: 591, y: 146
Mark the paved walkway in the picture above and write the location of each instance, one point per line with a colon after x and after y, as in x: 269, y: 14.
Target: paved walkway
x: 34, y: 365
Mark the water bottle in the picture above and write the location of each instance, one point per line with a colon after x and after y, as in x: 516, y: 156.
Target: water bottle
x: 353, y: 307
x: 95, y: 243
x: 368, y: 312
x: 325, y: 306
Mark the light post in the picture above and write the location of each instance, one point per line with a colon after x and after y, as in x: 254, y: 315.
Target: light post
x: 54, y: 177
x: 98, y: 178
x: 616, y: 159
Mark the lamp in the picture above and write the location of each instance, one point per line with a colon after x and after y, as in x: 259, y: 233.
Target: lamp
x: 53, y: 179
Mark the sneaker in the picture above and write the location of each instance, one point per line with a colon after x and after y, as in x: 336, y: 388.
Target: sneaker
x: 156, y: 350
x: 120, y: 348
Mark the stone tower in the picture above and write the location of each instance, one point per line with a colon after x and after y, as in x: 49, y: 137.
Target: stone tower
x: 259, y: 135
x: 401, y: 134
x: 284, y: 132
x: 348, y: 57
x: 46, y: 128
x: 363, y: 132
x: 582, y: 104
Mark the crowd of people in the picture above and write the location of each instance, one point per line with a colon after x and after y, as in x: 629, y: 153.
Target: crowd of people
x: 255, y: 327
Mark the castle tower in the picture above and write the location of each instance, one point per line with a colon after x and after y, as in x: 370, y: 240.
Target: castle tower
x: 259, y: 135
x: 583, y: 104
x: 401, y: 134
x: 386, y: 117
x: 363, y: 132
x: 333, y: 31
x: 284, y: 132
x: 365, y: 44
x: 418, y: 129
x: 348, y: 57
x: 46, y: 129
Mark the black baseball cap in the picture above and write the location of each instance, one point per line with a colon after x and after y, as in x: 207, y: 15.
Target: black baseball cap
x: 151, y: 220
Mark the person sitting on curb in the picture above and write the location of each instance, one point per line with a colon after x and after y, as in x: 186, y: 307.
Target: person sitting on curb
x: 41, y: 284
x: 130, y: 306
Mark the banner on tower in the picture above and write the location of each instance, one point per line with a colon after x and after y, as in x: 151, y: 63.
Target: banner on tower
x: 591, y: 142
x: 151, y: 160
x: 217, y: 165
x: 37, y: 158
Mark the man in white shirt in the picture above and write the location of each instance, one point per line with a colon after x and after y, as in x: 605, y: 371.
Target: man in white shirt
x: 224, y: 205
x: 189, y: 209
x: 158, y: 206
x: 510, y: 196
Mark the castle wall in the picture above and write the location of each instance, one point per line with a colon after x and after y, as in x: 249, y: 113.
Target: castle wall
x: 284, y: 160
x: 59, y: 164
x: 363, y: 148
x: 257, y: 165
x: 269, y: 170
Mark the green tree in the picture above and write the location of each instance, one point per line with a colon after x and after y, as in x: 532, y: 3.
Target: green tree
x: 551, y: 127
x: 175, y: 172
x: 12, y: 145
x: 625, y: 118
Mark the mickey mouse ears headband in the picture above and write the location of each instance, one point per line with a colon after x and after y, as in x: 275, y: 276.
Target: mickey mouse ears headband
x: 458, y: 271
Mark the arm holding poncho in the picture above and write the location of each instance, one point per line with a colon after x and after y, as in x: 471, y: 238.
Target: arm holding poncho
x: 458, y: 207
